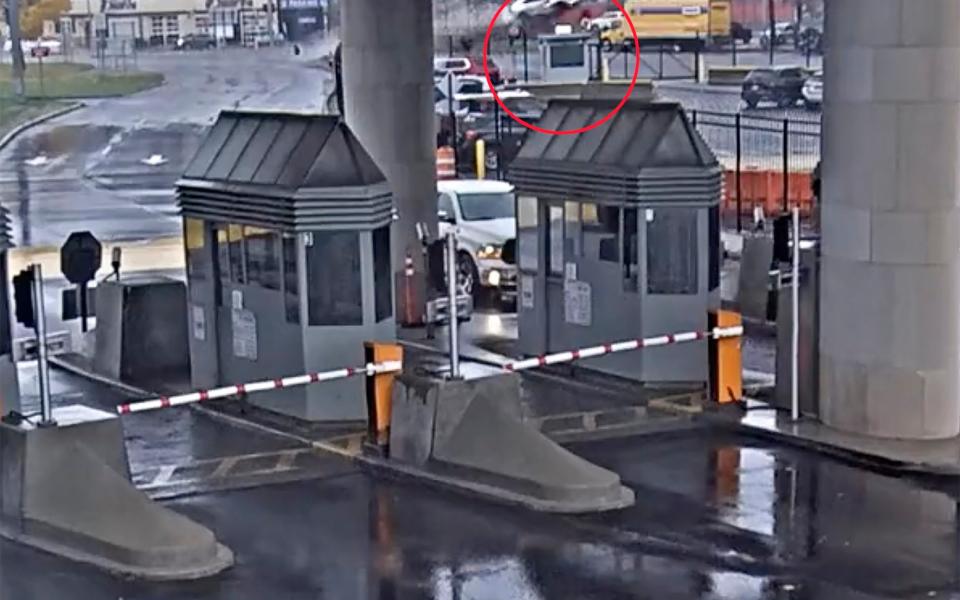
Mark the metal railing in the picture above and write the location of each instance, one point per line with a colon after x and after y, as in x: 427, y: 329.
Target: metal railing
x: 753, y: 143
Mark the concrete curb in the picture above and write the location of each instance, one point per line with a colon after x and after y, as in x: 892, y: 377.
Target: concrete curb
x: 13, y: 133
x: 875, y: 462
x: 699, y: 88
x: 126, y: 388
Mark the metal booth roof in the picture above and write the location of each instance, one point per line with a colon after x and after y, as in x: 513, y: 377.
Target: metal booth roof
x: 6, y: 239
x: 292, y: 171
x: 647, y: 153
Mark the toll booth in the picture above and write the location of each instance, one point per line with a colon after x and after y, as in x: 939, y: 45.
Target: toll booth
x: 618, y: 236
x: 566, y: 57
x: 287, y: 237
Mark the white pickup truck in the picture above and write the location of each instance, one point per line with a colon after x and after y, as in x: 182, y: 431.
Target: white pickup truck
x: 482, y: 213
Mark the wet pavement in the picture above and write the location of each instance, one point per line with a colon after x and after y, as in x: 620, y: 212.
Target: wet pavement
x: 153, y: 439
x: 717, y: 517
x: 85, y: 170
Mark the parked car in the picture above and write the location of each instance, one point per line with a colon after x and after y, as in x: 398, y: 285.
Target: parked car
x: 811, y: 40
x: 196, y: 41
x: 780, y: 85
x: 519, y: 8
x: 443, y: 65
x: 52, y: 46
x: 784, y: 35
x: 607, y: 20
x: 813, y: 91
x: 482, y: 212
x: 465, y: 65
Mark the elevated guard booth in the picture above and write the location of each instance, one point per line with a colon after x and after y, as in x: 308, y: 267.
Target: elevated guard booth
x: 287, y: 232
x: 566, y: 57
x: 618, y: 236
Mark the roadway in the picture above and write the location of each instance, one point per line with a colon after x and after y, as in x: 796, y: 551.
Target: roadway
x: 718, y: 517
x: 85, y: 170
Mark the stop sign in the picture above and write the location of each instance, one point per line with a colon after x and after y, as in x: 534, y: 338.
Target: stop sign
x: 80, y: 257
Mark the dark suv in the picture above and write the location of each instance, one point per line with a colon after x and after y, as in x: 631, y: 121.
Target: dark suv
x: 781, y: 85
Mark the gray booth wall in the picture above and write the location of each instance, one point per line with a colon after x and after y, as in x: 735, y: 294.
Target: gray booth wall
x: 275, y: 338
x: 624, y: 299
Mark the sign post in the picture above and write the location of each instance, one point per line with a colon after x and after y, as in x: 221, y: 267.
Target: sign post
x: 46, y: 411
x: 38, y: 52
x: 80, y: 259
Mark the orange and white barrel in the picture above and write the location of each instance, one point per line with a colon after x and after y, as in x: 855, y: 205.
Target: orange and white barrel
x: 446, y: 163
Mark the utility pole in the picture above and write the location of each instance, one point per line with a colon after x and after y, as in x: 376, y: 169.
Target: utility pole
x: 16, y: 50
x: 773, y: 30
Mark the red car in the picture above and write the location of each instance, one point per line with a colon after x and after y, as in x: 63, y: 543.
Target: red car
x: 476, y: 68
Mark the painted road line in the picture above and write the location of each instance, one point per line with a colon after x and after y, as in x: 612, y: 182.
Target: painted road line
x: 163, y: 476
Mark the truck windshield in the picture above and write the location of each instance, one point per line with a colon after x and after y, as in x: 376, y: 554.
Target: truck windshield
x: 485, y: 207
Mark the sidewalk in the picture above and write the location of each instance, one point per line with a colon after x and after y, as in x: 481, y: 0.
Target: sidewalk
x: 938, y: 458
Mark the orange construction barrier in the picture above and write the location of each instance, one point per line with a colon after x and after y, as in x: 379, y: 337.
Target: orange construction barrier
x: 446, y: 163
x: 765, y: 189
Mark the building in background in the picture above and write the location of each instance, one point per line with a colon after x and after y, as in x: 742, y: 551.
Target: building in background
x: 301, y: 18
x: 163, y: 22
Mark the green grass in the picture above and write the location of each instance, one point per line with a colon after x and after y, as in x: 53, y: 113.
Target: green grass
x: 67, y: 80
x: 14, y: 112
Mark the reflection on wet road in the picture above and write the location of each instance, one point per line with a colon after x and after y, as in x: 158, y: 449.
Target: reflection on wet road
x: 717, y: 517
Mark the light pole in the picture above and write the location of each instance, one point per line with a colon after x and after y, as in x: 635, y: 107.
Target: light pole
x: 516, y: 31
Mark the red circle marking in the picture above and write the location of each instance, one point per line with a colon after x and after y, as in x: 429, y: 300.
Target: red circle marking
x: 610, y: 115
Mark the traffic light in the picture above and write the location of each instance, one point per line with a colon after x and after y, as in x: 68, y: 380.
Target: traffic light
x: 23, y: 298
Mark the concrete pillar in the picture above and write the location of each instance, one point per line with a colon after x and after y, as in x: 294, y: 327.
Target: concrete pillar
x: 388, y: 93
x: 890, y: 323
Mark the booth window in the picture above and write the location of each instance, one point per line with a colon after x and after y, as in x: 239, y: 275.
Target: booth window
x: 672, y: 251
x: 235, y: 243
x: 383, y: 299
x: 198, y: 263
x: 223, y: 250
x: 263, y: 257
x: 291, y: 279
x: 527, y: 234
x: 567, y: 55
x: 601, y: 232
x: 715, y: 248
x: 630, y: 271
x: 555, y: 241
x: 333, y: 276
x: 223, y: 259
x: 571, y: 245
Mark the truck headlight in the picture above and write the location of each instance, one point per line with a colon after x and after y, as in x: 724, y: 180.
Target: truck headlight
x: 488, y: 251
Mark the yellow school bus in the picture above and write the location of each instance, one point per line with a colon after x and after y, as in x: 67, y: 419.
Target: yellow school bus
x: 688, y: 23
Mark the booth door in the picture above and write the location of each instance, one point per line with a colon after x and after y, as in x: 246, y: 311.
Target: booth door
x: 592, y: 275
x: 674, y: 282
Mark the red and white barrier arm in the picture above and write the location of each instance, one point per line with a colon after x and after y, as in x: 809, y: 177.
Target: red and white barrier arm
x: 259, y: 386
x: 652, y: 342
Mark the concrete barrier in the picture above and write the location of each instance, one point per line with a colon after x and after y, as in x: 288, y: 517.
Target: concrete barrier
x: 66, y: 490
x: 728, y: 75
x: 141, y: 333
x: 753, y: 290
x: 469, y: 434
